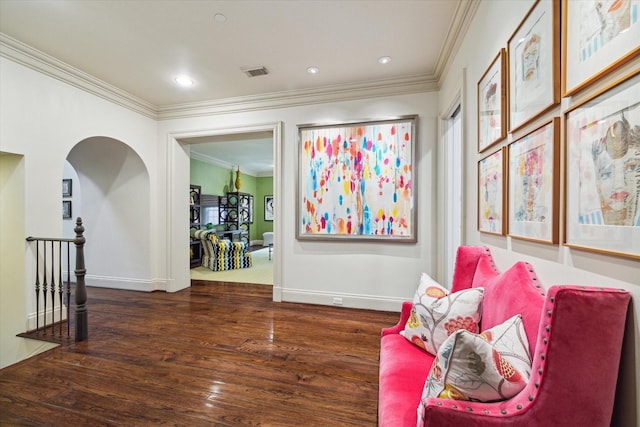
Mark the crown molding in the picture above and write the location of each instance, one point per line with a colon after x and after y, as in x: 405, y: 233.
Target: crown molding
x: 225, y: 165
x: 36, y: 60
x: 464, y: 14
x: 326, y: 94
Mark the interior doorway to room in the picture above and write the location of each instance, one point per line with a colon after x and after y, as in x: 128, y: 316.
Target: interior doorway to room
x: 214, y: 161
x: 453, y: 178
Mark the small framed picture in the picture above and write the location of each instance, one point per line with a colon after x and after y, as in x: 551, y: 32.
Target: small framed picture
x: 492, y: 123
x: 491, y: 193
x: 66, y: 188
x: 268, y: 208
x: 534, y: 64
x: 66, y: 209
x: 534, y: 181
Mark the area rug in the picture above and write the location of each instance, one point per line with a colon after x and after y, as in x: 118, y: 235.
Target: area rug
x: 261, y: 272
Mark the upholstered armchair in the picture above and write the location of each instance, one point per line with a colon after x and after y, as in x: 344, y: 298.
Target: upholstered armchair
x: 221, y: 254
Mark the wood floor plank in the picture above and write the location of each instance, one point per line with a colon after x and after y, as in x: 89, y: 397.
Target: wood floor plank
x: 216, y: 354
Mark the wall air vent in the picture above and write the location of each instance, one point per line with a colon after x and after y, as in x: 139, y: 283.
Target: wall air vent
x: 255, y: 71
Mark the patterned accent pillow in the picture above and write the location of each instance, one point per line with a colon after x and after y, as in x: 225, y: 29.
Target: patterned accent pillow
x: 491, y: 366
x: 436, y: 314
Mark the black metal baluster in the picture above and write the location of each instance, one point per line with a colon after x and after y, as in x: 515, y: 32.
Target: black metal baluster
x: 37, y: 285
x: 68, y: 290
x: 53, y: 289
x: 44, y: 289
x: 60, y: 282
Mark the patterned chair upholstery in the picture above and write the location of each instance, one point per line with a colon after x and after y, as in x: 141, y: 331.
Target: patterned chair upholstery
x: 221, y: 254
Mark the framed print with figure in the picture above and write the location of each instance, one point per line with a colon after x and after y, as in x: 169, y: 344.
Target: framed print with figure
x: 268, y: 208
x: 66, y: 187
x: 491, y: 194
x: 534, y: 64
x: 492, y: 124
x: 534, y: 180
x: 602, y: 202
x: 597, y: 37
x: 356, y: 181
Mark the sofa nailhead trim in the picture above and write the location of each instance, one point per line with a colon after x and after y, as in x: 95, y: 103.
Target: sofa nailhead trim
x: 531, y: 398
x: 519, y: 407
x: 546, y: 328
x: 439, y: 403
x: 537, y: 384
x: 469, y: 408
x: 540, y: 371
x: 549, y: 313
x: 485, y: 411
x: 552, y: 299
x: 542, y: 356
x: 544, y: 340
x: 454, y: 406
x: 503, y: 412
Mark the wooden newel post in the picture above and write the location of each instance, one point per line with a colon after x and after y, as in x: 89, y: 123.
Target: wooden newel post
x: 82, y: 321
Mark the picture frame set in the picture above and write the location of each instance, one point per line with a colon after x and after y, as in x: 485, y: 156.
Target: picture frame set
x: 526, y: 134
x: 67, y: 186
x: 357, y: 181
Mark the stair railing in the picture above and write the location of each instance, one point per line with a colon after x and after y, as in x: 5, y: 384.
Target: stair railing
x: 50, y: 286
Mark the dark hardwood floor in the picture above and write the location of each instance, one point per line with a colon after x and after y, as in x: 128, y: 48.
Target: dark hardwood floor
x: 216, y: 354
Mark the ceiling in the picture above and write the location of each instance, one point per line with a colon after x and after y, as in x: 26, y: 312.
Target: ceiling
x: 140, y: 46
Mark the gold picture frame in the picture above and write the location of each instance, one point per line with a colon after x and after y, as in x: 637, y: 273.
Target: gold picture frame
x: 602, y: 171
x: 597, y: 40
x: 492, y: 95
x: 534, y: 64
x: 534, y: 181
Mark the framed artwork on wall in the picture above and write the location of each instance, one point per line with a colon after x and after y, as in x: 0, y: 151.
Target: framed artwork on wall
x: 602, y: 203
x: 268, y: 208
x: 66, y: 209
x: 491, y: 193
x: 534, y: 64
x: 597, y: 37
x: 533, y: 184
x: 66, y: 187
x: 356, y: 181
x: 492, y: 124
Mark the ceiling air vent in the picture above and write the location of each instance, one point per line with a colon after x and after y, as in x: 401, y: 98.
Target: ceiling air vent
x: 255, y: 71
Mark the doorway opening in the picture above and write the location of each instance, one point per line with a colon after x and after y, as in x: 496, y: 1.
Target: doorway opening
x: 252, y: 149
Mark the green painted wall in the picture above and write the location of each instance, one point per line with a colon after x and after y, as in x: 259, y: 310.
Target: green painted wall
x: 217, y: 180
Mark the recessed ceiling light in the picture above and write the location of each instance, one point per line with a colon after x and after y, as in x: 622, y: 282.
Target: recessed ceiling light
x: 184, y: 81
x: 384, y: 59
x: 313, y: 70
x: 219, y: 17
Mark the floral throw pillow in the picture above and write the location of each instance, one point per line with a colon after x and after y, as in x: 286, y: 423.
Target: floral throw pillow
x: 436, y: 314
x: 491, y: 366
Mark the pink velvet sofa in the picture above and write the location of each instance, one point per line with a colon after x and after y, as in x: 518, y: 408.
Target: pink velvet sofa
x: 575, y: 336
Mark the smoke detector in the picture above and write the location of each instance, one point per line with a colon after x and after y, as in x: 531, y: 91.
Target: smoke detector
x: 255, y: 71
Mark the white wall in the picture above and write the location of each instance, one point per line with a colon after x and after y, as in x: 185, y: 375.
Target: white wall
x: 554, y: 264
x: 13, y: 313
x: 42, y: 119
x: 368, y: 275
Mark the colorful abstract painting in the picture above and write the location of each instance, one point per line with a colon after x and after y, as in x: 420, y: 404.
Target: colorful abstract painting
x: 357, y: 180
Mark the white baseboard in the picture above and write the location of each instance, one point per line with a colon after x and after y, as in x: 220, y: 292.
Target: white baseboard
x: 126, y: 283
x: 45, y: 317
x: 337, y: 299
